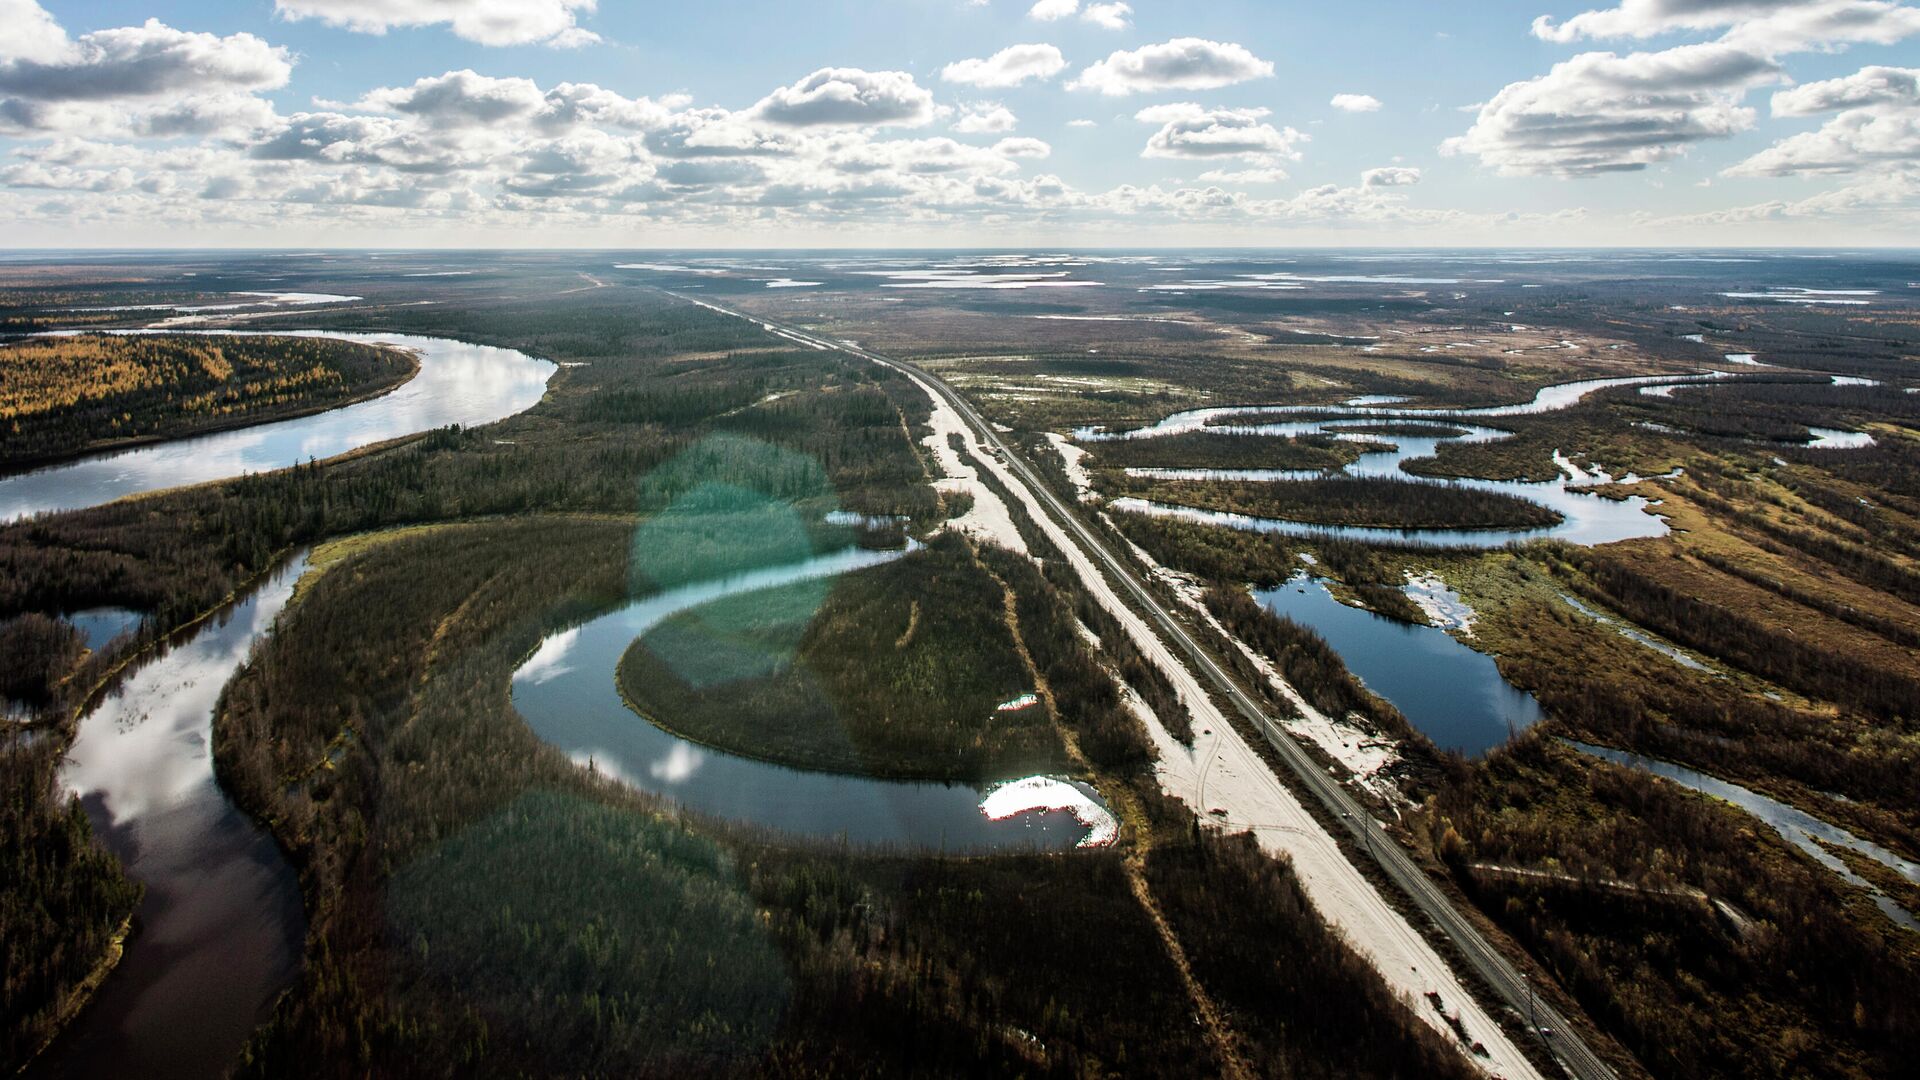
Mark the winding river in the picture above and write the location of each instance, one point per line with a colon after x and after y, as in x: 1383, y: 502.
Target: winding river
x: 567, y: 694
x: 219, y: 930
x: 1587, y: 519
x: 458, y: 383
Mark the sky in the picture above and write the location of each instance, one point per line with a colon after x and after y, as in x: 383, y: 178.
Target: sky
x: 958, y: 123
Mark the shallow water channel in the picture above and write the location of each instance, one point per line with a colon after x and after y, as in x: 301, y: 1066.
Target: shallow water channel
x: 458, y: 383
x: 567, y: 693
x: 1452, y: 694
x: 1588, y: 519
x: 218, y: 933
x: 1797, y: 827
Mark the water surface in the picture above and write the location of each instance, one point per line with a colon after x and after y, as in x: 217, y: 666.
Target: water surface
x: 1452, y: 694
x: 1796, y: 826
x: 567, y: 693
x: 458, y: 383
x: 219, y: 930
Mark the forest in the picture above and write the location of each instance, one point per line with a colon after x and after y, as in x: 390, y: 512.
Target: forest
x: 894, y: 671
x: 64, y: 396
x: 374, y: 737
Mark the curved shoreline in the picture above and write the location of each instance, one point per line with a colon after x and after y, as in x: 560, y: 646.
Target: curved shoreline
x: 876, y: 773
x: 458, y: 382
x: 107, y: 448
x: 559, y: 693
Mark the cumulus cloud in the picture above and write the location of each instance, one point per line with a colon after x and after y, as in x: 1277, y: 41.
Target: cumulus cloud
x: 488, y: 22
x: 1111, y: 14
x: 1600, y: 112
x: 1188, y: 130
x: 1868, y: 86
x: 1355, y: 103
x: 1890, y: 196
x: 1764, y: 25
x: 1022, y: 147
x: 1391, y: 176
x: 142, y: 80
x: 1010, y: 66
x: 986, y: 119
x: 31, y: 33
x: 1181, y: 64
x: 1878, y: 126
x: 848, y: 97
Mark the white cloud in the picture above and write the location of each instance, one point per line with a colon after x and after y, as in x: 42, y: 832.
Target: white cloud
x: 1868, y: 86
x: 1022, y: 147
x: 1766, y: 26
x: 1879, y: 127
x: 1188, y: 130
x: 848, y: 97
x: 32, y: 33
x: 1181, y: 64
x: 488, y: 22
x: 459, y: 99
x: 1355, y: 103
x: 1010, y: 66
x: 1890, y: 197
x: 1390, y: 176
x: 986, y: 119
x: 1053, y: 10
x: 1083, y: 123
x: 1243, y: 176
x: 1113, y: 16
x: 1600, y: 112
x: 136, y: 80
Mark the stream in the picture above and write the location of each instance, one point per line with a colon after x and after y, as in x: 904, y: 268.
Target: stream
x: 1796, y: 826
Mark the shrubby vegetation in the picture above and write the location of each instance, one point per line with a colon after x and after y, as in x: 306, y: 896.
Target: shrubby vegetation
x: 63, y: 396
x: 1204, y: 450
x: 1345, y: 500
x: 1773, y: 984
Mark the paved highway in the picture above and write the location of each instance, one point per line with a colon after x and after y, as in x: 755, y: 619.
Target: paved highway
x: 1571, y: 1051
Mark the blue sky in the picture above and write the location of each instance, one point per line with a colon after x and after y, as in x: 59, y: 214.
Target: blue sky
x: 562, y: 122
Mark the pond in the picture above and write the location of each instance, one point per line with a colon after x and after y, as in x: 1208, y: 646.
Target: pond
x: 457, y: 383
x: 1451, y: 693
x: 567, y: 694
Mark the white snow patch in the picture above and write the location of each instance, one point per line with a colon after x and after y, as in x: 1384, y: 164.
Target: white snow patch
x: 1073, y: 461
x: 1441, y: 605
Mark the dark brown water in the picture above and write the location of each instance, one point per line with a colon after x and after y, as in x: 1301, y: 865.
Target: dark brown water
x: 218, y: 934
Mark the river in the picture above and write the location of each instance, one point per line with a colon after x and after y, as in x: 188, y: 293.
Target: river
x: 567, y: 694
x: 458, y: 383
x: 219, y: 931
